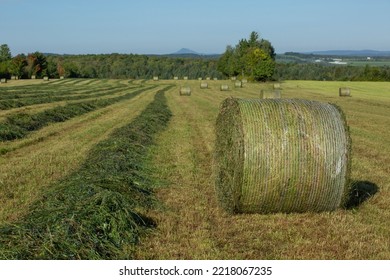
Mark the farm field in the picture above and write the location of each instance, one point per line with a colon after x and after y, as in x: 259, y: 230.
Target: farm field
x: 183, y: 218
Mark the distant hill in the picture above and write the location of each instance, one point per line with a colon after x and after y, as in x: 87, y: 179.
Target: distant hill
x: 185, y: 51
x: 351, y: 53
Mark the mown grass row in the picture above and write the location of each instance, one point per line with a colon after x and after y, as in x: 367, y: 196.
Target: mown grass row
x: 18, y: 125
x: 92, y: 213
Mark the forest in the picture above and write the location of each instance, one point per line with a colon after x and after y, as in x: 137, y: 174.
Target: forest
x: 135, y: 66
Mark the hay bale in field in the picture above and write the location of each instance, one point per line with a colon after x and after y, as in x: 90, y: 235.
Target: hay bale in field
x: 46, y: 78
x: 13, y: 78
x: 215, y: 79
x: 264, y: 94
x: 155, y: 78
x: 185, y: 78
x: 3, y: 81
x: 244, y: 81
x: 344, y: 91
x: 208, y: 78
x: 185, y: 91
x: 175, y: 78
x: 238, y: 84
x: 281, y: 155
x: 224, y: 87
x: 277, y: 86
x: 200, y: 78
x: 62, y: 77
x: 33, y: 77
x: 233, y: 78
x: 204, y: 85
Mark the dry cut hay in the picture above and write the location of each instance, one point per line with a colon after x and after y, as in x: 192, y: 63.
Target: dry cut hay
x: 273, y: 94
x: 204, y: 85
x: 224, y: 87
x: 344, y: 92
x: 281, y: 155
x: 185, y: 91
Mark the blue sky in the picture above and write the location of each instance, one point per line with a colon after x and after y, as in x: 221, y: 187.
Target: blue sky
x: 206, y: 26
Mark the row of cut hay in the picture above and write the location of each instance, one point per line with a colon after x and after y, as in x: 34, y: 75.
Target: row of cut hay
x: 281, y: 155
x: 19, y: 125
x: 94, y: 212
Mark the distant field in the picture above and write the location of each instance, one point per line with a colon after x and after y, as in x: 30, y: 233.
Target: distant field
x: 187, y: 221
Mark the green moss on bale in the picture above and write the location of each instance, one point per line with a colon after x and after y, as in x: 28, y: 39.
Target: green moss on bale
x: 281, y: 155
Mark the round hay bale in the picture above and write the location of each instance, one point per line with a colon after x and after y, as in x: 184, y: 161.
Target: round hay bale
x: 208, y: 78
x: 175, y: 78
x: 185, y: 78
x: 204, y: 85
x: 46, y: 78
x: 238, y: 84
x: 272, y: 94
x: 224, y: 87
x: 200, y: 78
x: 155, y: 78
x: 185, y: 91
x: 33, y: 77
x: 277, y: 86
x: 3, y: 80
x: 281, y: 155
x: 233, y: 78
x: 344, y: 92
x: 244, y: 81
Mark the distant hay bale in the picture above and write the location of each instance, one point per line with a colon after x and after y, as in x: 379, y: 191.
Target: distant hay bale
x: 238, y: 84
x: 267, y: 93
x: 277, y: 86
x: 175, y: 78
x: 281, y: 155
x: 208, y: 78
x: 13, y: 78
x: 344, y: 91
x: 3, y: 81
x: 244, y: 81
x: 200, y: 78
x: 185, y: 91
x: 215, y: 79
x: 33, y: 77
x: 224, y: 87
x: 233, y: 78
x: 185, y: 78
x: 204, y: 85
x: 155, y: 78
x: 46, y: 78
x: 62, y: 77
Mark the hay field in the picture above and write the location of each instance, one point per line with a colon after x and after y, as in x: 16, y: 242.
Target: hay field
x: 188, y: 223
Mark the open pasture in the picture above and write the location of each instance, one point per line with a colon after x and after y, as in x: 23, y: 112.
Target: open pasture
x: 188, y: 222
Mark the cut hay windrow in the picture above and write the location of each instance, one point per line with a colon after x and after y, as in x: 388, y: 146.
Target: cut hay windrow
x: 95, y: 211
x: 281, y: 155
x: 18, y: 125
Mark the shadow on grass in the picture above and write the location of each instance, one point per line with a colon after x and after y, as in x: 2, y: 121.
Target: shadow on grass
x: 360, y: 192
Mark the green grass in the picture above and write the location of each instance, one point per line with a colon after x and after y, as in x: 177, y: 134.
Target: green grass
x: 93, y: 212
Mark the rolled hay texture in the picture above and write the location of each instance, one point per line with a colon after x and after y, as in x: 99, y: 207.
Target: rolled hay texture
x: 185, y: 78
x: 281, y: 155
x: 204, y: 85
x: 3, y: 81
x: 175, y: 78
x: 271, y: 94
x: 238, y: 84
x: 155, y: 78
x: 233, y: 78
x: 33, y: 77
x: 277, y: 86
x: 224, y: 87
x: 344, y: 92
x: 46, y: 78
x: 185, y: 91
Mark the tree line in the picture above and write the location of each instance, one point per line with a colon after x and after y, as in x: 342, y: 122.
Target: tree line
x: 253, y: 59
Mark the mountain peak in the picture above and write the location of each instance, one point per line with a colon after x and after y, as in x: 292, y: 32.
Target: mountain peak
x: 185, y: 51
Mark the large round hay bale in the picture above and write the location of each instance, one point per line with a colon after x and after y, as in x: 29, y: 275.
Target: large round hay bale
x: 155, y: 78
x: 175, y: 77
x: 3, y: 80
x: 238, y: 84
x: 344, y: 92
x: 46, y: 78
x: 204, y: 85
x: 281, y: 155
x: 185, y: 91
x: 267, y: 93
x: 277, y: 86
x: 224, y: 87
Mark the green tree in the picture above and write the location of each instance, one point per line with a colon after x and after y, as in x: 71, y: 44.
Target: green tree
x: 17, y: 65
x: 36, y: 65
x: 5, y: 53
